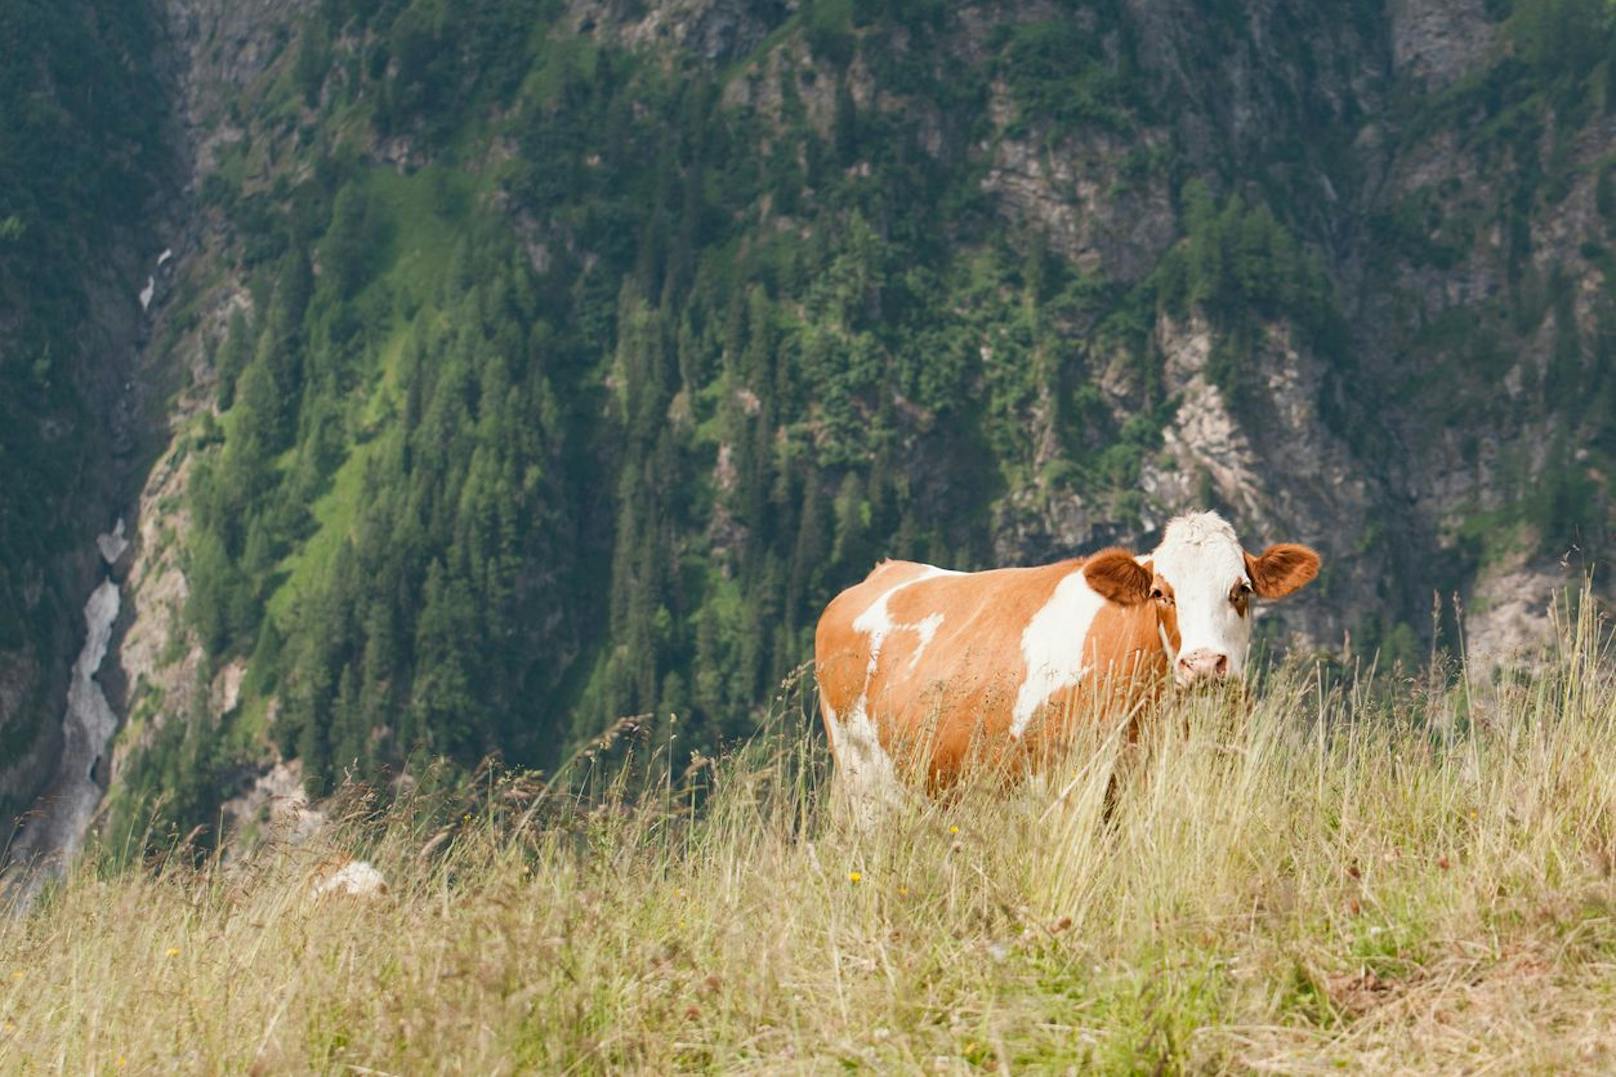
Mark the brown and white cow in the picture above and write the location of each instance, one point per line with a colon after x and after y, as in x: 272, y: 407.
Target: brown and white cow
x: 923, y: 663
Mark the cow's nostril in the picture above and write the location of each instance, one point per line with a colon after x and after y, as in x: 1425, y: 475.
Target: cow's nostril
x: 1203, y: 662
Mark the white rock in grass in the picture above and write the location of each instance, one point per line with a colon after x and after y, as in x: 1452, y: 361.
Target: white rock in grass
x: 356, y: 878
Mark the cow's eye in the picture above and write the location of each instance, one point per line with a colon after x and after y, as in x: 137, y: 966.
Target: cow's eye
x: 1159, y: 595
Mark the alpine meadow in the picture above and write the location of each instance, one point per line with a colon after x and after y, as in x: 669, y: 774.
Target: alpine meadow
x: 430, y: 433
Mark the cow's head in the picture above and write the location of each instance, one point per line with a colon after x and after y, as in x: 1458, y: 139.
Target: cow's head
x: 1202, y: 583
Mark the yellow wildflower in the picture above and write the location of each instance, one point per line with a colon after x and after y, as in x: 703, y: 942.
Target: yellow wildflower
x: 953, y: 830
x: 173, y: 951
x: 854, y: 877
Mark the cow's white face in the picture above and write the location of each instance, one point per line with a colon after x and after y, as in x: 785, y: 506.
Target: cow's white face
x: 1200, y: 574
x: 1202, y: 582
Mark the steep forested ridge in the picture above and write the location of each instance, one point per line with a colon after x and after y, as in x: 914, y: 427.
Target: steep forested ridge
x: 553, y: 362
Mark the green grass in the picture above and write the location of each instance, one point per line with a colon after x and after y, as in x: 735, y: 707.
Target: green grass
x: 429, y: 207
x: 334, y: 512
x: 1412, y: 877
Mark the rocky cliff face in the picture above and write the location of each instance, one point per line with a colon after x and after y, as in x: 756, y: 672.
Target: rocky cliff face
x: 1487, y: 329
x: 158, y: 304
x: 221, y: 51
x: 102, y: 441
x: 1444, y: 238
x: 83, y: 154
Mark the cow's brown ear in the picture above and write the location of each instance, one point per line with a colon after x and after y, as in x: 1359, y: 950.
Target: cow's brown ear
x: 1117, y: 577
x: 1282, y: 569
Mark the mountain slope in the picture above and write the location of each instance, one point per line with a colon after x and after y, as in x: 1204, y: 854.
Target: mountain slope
x: 554, y: 362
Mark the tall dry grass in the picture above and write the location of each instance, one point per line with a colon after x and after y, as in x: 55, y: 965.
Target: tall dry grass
x: 1384, y: 877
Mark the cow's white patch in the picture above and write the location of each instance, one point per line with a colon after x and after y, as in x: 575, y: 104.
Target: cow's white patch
x: 926, y: 628
x: 865, y: 775
x: 1052, y: 645
x: 864, y: 768
x: 876, y: 622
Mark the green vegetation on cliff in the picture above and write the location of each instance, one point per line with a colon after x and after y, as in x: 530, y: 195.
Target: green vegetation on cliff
x: 589, y: 354
x: 478, y: 491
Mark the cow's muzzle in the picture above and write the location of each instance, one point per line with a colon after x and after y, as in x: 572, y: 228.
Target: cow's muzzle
x: 1203, y: 664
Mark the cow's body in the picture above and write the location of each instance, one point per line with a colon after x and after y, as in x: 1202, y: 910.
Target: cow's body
x: 918, y: 664
x: 918, y: 659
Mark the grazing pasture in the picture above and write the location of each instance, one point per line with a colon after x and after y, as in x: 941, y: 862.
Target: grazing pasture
x: 1355, y: 869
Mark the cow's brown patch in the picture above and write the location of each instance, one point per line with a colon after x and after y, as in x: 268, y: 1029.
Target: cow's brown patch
x: 1125, y: 657
x: 950, y: 701
x: 932, y: 699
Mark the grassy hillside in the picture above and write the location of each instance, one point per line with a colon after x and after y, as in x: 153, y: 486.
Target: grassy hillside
x: 1370, y: 873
